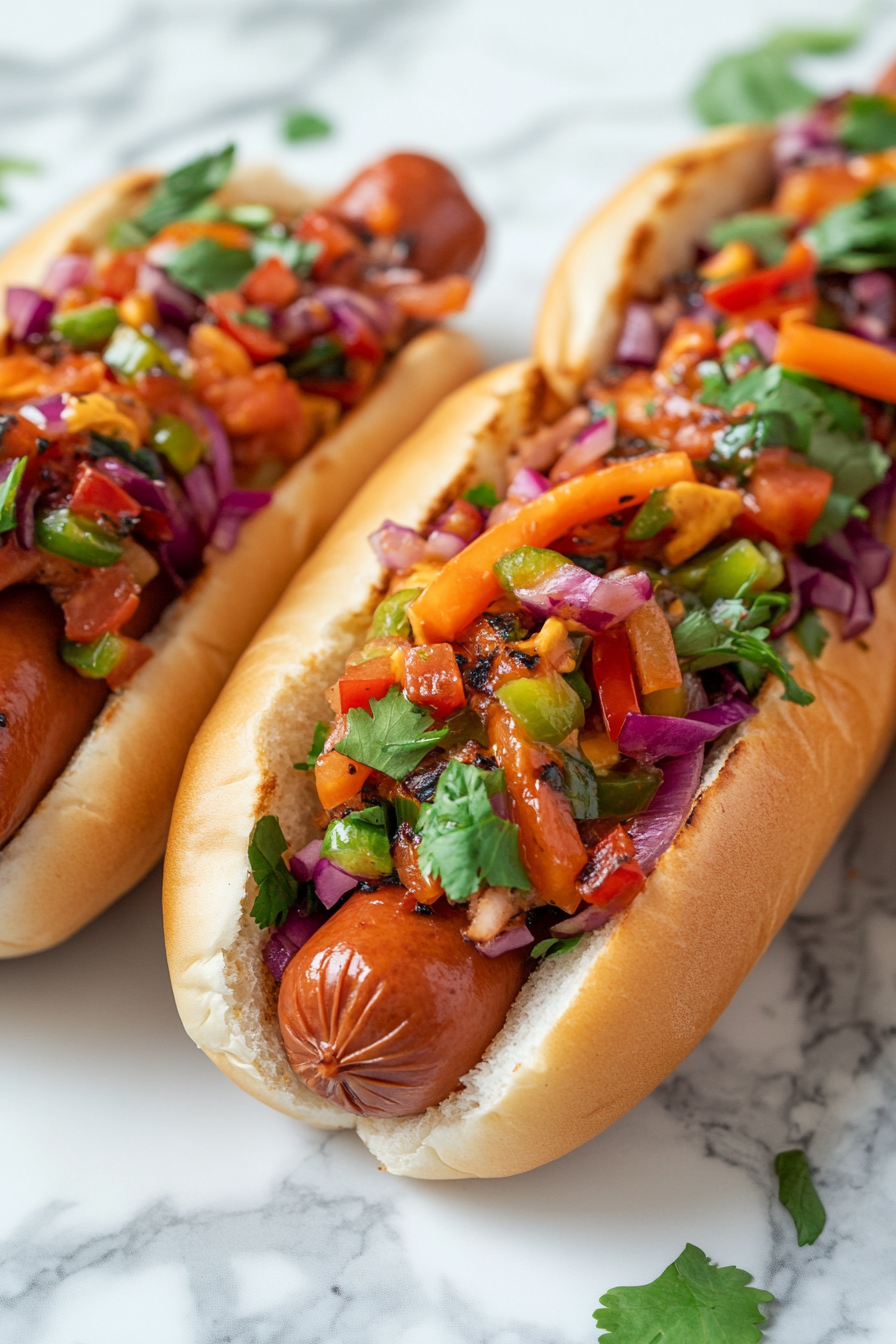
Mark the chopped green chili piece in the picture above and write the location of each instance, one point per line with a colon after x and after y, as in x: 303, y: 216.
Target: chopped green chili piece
x: 359, y: 844
x: 8, y: 489
x: 95, y: 660
x: 91, y: 325
x: 177, y: 441
x: 131, y: 352
x: 68, y: 534
x: 390, y: 617
x: 653, y: 515
x: 546, y: 707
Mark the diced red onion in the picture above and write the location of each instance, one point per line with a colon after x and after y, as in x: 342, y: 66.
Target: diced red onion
x: 277, y: 955
x: 378, y: 313
x: 879, y: 500
x: 870, y: 328
x: 585, y: 921
x: 657, y: 737
x: 301, y: 320
x: 286, y: 941
x: 764, y: 337
x: 302, y: 865
x: 25, y: 504
x: 28, y: 312
x: 465, y: 510
x: 597, y: 603
x: 331, y: 882
x: 69, y: 271
x: 655, y: 829
x: 872, y: 556
x: 506, y: 941
x: 807, y: 138
x: 586, y: 450
x: 175, y: 304
x: 500, y: 805
x: 397, y: 548
x: 875, y: 291
x: 527, y: 484
x: 235, y: 508
x: 640, y: 339
x: 200, y: 491
x: 152, y: 494
x: 444, y: 545
x: 222, y: 458
x: 226, y: 533
x: 47, y: 414
x: 174, y: 342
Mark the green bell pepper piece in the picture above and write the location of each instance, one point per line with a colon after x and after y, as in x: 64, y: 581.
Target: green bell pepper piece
x: 390, y: 617
x: 131, y: 352
x: 91, y: 325
x: 177, y: 441
x: 95, y: 660
x: 65, y: 533
x: 653, y: 515
x: 547, y: 708
x: 8, y: 490
x: 527, y: 566
x: 251, y: 216
x: 626, y: 791
x: 738, y: 570
x: 577, y: 681
x: 359, y: 844
x: 406, y: 809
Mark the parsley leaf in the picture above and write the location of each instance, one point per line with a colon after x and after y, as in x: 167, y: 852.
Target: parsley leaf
x: 277, y: 888
x: 300, y: 123
x: 799, y: 1196
x: 811, y: 633
x: 205, y: 267
x: 317, y: 745
x: 869, y: 124
x: 764, y: 230
x: 464, y: 843
x: 175, y: 196
x: 759, y: 84
x: 691, y: 1300
x: 394, y: 737
x: 859, y: 235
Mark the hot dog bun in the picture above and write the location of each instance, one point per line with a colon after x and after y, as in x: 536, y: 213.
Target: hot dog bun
x: 594, y: 1031
x: 102, y: 826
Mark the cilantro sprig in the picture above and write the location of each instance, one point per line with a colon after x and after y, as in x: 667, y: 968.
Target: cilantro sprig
x: 464, y: 843
x: 693, y: 1299
x: 393, y: 738
x: 277, y: 888
x: 724, y: 635
x: 799, y: 1196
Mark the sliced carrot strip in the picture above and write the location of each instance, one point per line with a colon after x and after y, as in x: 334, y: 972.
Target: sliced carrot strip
x: 844, y: 360
x: 467, y: 584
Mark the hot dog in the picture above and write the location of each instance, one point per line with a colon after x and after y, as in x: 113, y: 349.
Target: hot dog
x: 168, y: 375
x: 616, y: 718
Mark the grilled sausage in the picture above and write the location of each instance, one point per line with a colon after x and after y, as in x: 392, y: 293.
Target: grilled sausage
x: 385, y: 1009
x: 414, y: 197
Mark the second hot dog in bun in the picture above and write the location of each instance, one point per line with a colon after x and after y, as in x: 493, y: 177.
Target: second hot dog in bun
x: 599, y: 725
x: 198, y: 373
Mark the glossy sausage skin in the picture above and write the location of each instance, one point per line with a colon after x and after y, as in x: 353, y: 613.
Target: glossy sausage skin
x: 47, y: 708
x: 410, y: 195
x: 384, y: 1010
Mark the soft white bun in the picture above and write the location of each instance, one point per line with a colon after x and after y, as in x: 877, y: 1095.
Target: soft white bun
x: 593, y: 1031
x: 103, y: 824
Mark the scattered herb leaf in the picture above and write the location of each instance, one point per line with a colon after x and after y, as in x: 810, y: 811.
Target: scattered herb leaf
x: 484, y: 496
x: 464, y: 842
x: 857, y: 236
x: 205, y: 267
x: 555, y: 947
x: 759, y: 84
x: 175, y: 196
x: 764, y: 230
x: 394, y: 737
x: 869, y: 124
x: 317, y: 745
x: 300, y: 123
x: 811, y: 633
x: 799, y: 1196
x: 702, y: 641
x: 277, y: 888
x: 692, y: 1300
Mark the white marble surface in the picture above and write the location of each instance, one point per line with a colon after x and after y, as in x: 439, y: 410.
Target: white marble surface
x: 144, y: 1198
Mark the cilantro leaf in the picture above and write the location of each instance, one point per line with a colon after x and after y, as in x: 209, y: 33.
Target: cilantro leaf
x: 175, y: 196
x: 277, y: 888
x: 859, y: 235
x: 464, y: 843
x: 692, y: 1300
x: 394, y: 737
x: 811, y: 633
x: 555, y: 947
x: 205, y: 267
x: 300, y: 123
x: 869, y: 124
x: 799, y: 1196
x: 317, y: 745
x: 702, y: 642
x: 484, y: 496
x: 759, y: 84
x: 765, y: 231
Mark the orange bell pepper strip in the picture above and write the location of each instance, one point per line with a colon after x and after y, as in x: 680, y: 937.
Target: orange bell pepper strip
x: 838, y: 358
x: 467, y: 584
x: 653, y: 649
x: 338, y: 778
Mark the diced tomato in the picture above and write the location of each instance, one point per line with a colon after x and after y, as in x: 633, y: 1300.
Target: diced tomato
x: 432, y: 299
x: 338, y: 778
x: 102, y: 603
x: 118, y: 274
x: 432, y: 678
x: 463, y: 519
x: 259, y: 344
x: 787, y: 283
x: 785, y: 499
x: 614, y: 678
x: 271, y: 282
x: 96, y: 496
x: 133, y: 657
x: 364, y: 682
x: 20, y: 438
x: 262, y: 400
x: 338, y: 244
x: 551, y: 847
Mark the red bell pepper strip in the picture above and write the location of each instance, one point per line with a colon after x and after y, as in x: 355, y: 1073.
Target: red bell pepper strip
x: 614, y: 679
x: 95, y: 496
x: 749, y: 291
x: 364, y: 682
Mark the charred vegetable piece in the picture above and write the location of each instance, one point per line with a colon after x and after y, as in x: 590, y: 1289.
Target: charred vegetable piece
x: 390, y: 617
x: 359, y: 844
x: 65, y: 533
x: 627, y: 790
x: 547, y: 707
